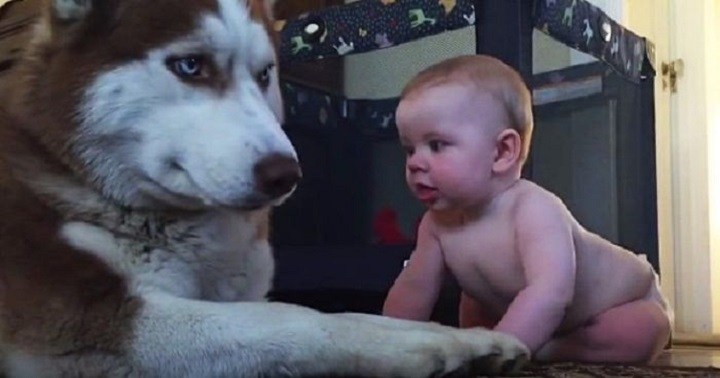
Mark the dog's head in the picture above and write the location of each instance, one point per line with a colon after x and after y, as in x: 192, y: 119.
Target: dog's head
x: 165, y: 102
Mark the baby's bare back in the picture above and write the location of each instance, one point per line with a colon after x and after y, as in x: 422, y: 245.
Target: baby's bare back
x: 485, y: 257
x: 607, y: 276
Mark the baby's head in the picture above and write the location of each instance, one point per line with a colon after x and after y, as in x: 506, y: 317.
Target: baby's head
x: 493, y: 80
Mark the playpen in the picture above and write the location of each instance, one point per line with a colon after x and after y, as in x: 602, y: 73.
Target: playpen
x: 342, y: 238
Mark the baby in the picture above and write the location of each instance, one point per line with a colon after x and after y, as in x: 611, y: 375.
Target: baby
x: 525, y: 265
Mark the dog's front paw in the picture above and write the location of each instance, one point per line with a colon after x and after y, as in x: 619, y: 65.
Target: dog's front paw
x: 492, y: 353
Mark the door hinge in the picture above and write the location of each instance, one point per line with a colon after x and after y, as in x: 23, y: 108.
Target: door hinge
x: 670, y: 72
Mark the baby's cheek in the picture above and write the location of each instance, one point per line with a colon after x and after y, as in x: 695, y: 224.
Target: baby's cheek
x: 451, y: 170
x: 462, y: 173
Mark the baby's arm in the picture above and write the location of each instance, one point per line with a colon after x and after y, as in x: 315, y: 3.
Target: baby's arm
x: 415, y: 291
x: 545, y: 246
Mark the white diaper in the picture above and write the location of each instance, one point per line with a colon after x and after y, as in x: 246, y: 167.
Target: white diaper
x: 655, y: 293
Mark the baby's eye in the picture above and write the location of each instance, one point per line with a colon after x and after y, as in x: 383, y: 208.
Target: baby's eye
x: 436, y: 145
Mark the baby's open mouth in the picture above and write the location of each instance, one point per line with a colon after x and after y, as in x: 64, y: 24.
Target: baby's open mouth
x: 425, y: 193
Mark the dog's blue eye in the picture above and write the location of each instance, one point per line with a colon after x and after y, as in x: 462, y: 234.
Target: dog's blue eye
x: 263, y: 77
x: 187, y: 67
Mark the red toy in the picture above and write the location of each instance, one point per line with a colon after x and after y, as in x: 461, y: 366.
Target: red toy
x: 386, y: 228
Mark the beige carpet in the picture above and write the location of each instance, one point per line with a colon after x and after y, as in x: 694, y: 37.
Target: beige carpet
x: 575, y: 370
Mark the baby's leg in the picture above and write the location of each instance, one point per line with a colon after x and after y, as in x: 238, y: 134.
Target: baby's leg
x: 632, y: 332
x: 472, y: 314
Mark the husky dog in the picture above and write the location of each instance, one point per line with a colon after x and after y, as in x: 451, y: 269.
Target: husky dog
x: 142, y: 151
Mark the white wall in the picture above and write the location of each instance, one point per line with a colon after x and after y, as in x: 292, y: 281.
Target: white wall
x: 713, y: 93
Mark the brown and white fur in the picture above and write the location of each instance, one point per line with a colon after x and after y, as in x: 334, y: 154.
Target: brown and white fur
x: 142, y: 151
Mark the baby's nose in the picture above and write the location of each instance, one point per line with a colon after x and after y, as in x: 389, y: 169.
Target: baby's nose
x: 415, y: 163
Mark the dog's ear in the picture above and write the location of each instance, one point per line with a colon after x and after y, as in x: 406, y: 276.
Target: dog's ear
x: 262, y: 9
x: 271, y: 3
x: 71, y: 18
x: 70, y: 11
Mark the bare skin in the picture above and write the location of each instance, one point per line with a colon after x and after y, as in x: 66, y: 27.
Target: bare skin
x: 526, y: 291
x: 525, y: 265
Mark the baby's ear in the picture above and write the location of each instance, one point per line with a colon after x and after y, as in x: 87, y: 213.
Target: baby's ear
x: 507, y: 150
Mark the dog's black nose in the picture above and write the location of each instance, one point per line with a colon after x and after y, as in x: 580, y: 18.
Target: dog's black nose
x: 276, y: 175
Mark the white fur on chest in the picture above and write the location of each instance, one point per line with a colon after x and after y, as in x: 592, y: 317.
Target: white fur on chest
x: 216, y: 256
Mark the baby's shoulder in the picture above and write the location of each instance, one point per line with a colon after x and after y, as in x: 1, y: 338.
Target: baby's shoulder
x: 531, y: 194
x: 535, y: 202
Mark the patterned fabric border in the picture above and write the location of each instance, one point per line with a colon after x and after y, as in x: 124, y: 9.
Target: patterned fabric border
x: 368, y: 25
x: 313, y: 108
x: 586, y: 28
